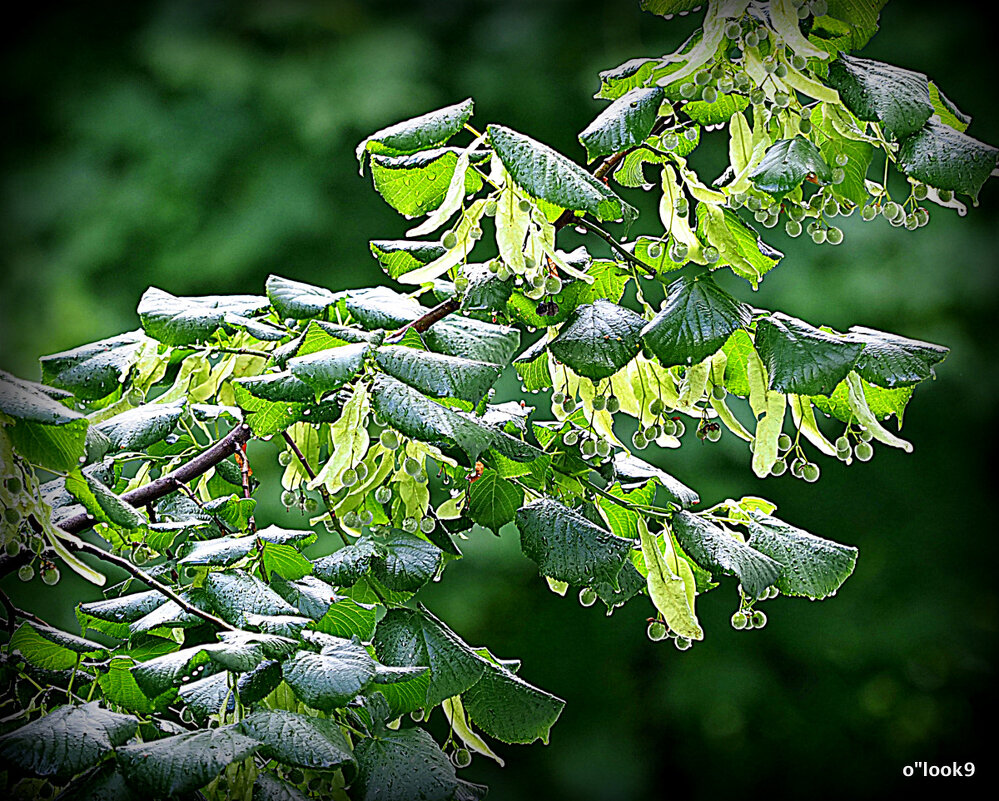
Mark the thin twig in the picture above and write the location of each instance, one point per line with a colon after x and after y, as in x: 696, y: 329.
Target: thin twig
x: 609, y: 239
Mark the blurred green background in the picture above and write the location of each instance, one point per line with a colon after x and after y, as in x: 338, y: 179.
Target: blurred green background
x: 199, y: 146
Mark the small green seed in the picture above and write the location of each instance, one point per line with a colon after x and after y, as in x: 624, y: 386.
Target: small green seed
x: 656, y: 631
x: 587, y: 596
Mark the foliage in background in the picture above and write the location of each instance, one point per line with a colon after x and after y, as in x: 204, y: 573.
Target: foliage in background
x: 546, y: 300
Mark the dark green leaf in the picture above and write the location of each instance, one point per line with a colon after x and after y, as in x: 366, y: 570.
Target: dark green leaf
x: 31, y: 402
x: 629, y: 75
x: 722, y: 551
x: 947, y: 159
x: 696, y: 319
x: 345, y: 566
x: 49, y: 648
x: 93, y: 371
x: 567, y: 546
x: 406, y: 562
x: 810, y: 566
x: 493, y: 501
x: 547, y: 174
x: 181, y: 321
x: 332, y: 678
x: 276, y: 388
x: 889, y: 360
x: 598, y: 339
x: 209, y: 696
x: 66, y: 741
x: 877, y: 92
x: 58, y: 447
x: 269, y: 787
x: 299, y: 740
x: 102, y: 504
x: 404, y: 765
x: 419, y: 133
x: 284, y: 561
x: 473, y: 339
x: 400, y: 256
x: 787, y: 163
x: 633, y: 472
x: 623, y: 124
x: 506, y: 707
x: 437, y: 374
x: 721, y: 110
x: 105, y: 783
x: 381, y: 307
x: 409, y: 638
x: 161, y: 673
x: 297, y: 300
x: 256, y: 684
x: 183, y: 763
x: 138, y: 428
x: 801, y: 359
x: 235, y: 594
x: 330, y: 369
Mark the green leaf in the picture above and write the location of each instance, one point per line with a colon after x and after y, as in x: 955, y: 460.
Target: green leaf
x: 66, y: 741
x: 810, y: 566
x: 889, y: 360
x: 162, y: 673
x: 403, y: 765
x: 860, y: 18
x: 877, y: 92
x: 330, y: 369
x: 722, y: 551
x: 405, y: 562
x: 506, y: 707
x: 598, y: 339
x: 121, y: 689
x: 183, y: 763
x: 787, y: 163
x: 255, y: 685
x: 224, y: 551
x: 739, y: 245
x: 49, y: 648
x: 268, y: 787
x: 345, y: 566
x: 105, y: 783
x: 720, y: 111
x: 473, y: 339
x: 623, y: 124
x: 235, y: 594
x: 948, y: 113
x: 113, y: 615
x: 696, y: 320
x: 102, y: 504
x: 567, y: 546
x: 859, y: 155
x: 947, y: 159
x: 493, y: 501
x: 801, y: 359
x: 285, y: 561
x: 546, y: 174
x: 299, y: 740
x: 622, y: 79
x: 738, y: 351
x: 332, y: 678
x: 416, y: 184
x: 409, y: 638
x: 54, y: 447
x: 181, y: 321
x: 96, y: 370
x: 297, y: 300
x: 31, y: 402
x: 209, y: 696
x: 401, y: 256
x: 633, y: 472
x: 137, y: 429
x: 671, y: 593
x: 418, y: 133
x: 437, y: 374
x: 170, y: 614
x: 381, y: 307
x: 882, y: 402
x: 274, y: 387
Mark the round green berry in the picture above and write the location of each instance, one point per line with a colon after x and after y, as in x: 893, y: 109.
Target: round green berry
x: 864, y: 451
x: 587, y: 596
x: 427, y: 525
x: 12, y: 548
x: 657, y: 407
x: 50, y: 576
x: 759, y: 619
x: 349, y: 477
x: 284, y: 458
x: 449, y: 240
x: 805, y: 126
x: 603, y: 448
x: 289, y: 498
x: 553, y: 285
x: 13, y: 485
x: 711, y: 254
x: 718, y: 392
x: 389, y: 439
x: 739, y: 621
x: 588, y: 449
x: 703, y: 78
x: 11, y: 516
x: 652, y: 432
x: 780, y: 71
x: 571, y: 437
x: 784, y: 442
x: 410, y: 525
x: 810, y: 472
x: 656, y: 631
x: 834, y: 235
x: 26, y: 572
x: 366, y: 518
x: 682, y: 643
x: 713, y: 434
x: 524, y: 205
x: 383, y: 494
x: 688, y: 90
x: 558, y: 398
x: 569, y: 405
x: 613, y: 404
x: 462, y: 758
x: 792, y: 228
x: 639, y: 440
x: 599, y: 403
x: 680, y: 428
x: 412, y: 466
x: 819, y: 236
x: 868, y: 213
x: 709, y: 94
x: 842, y: 443
x: 778, y: 468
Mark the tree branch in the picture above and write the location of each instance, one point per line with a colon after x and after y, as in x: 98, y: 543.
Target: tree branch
x: 164, y: 485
